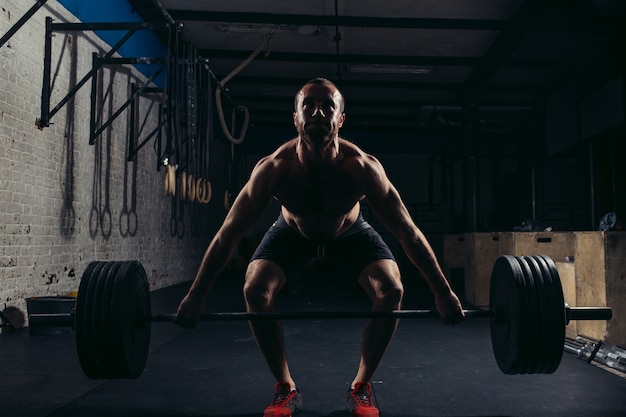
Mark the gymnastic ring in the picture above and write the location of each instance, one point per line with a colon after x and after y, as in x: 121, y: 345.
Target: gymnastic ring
x: 171, y: 178
x: 183, y: 185
x: 208, y: 192
x: 166, y: 182
x: 191, y: 189
x: 200, y: 190
x: 206, y: 188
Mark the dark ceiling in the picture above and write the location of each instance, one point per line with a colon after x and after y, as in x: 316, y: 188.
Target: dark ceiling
x: 404, y: 65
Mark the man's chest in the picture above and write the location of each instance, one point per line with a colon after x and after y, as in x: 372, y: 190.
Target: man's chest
x: 329, y: 193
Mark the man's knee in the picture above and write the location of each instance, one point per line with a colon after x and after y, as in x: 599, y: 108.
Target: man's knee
x: 390, y: 294
x: 383, y: 283
x: 263, y: 281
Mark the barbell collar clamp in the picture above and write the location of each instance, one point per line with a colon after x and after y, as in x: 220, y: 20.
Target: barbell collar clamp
x: 587, y: 313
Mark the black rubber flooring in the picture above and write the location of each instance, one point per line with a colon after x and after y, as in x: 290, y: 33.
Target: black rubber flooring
x: 216, y: 370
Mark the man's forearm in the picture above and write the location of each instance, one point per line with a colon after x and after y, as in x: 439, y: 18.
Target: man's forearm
x: 213, y: 262
x: 421, y: 254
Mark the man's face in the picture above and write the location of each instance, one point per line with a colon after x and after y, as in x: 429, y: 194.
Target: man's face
x: 319, y: 113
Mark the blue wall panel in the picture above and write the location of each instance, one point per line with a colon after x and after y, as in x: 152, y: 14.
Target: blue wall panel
x: 143, y: 43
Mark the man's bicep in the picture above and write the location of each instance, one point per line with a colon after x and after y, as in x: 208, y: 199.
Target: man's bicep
x: 386, y: 202
x: 379, y: 190
x: 252, y: 200
x: 246, y: 209
x: 390, y: 209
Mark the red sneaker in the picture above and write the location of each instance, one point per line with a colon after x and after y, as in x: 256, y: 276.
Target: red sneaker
x: 286, y: 402
x: 360, y: 401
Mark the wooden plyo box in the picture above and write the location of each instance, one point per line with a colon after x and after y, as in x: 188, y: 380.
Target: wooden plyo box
x: 482, y: 250
x: 453, y: 261
x: 453, y: 253
x: 600, y: 272
x: 557, y: 245
x: 568, y: 281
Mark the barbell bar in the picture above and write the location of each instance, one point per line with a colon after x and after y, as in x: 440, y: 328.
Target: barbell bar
x: 527, y: 312
x: 68, y: 319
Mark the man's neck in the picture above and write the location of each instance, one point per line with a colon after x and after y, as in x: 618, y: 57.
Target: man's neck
x: 314, y: 154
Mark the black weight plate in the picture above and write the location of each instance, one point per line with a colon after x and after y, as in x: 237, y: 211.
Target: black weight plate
x: 118, y: 318
x: 84, y: 306
x: 544, y: 283
x: 526, y: 347
x: 550, y: 342
x: 504, y: 302
x: 94, y: 320
x: 130, y: 306
x: 105, y: 329
x: 556, y: 319
x: 84, y: 303
x: 537, y: 316
x: 81, y: 300
x: 101, y: 322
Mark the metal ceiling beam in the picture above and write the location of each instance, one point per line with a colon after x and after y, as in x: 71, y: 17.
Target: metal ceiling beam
x: 297, y: 83
x: 582, y: 22
x: 387, y: 84
x: 453, y: 61
x: 344, y: 58
x: 331, y: 20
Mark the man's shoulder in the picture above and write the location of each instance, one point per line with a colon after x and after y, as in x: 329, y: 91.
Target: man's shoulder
x: 348, y: 149
x: 286, y: 150
x: 352, y: 151
x: 279, y: 158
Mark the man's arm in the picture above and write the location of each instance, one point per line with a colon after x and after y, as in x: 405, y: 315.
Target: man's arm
x: 387, y: 205
x: 243, y: 215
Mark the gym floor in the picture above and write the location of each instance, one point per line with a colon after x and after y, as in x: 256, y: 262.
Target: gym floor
x: 216, y: 370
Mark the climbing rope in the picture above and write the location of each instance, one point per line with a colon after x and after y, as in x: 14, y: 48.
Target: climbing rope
x: 265, y: 42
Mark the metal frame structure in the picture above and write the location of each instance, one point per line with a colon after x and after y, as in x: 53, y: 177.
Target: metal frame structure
x: 137, y: 90
x: 17, y: 26
x: 98, y: 62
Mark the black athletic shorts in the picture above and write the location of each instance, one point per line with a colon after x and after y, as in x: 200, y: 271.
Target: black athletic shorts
x: 352, y: 251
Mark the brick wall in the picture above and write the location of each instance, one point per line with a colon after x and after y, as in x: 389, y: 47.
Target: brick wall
x: 65, y: 202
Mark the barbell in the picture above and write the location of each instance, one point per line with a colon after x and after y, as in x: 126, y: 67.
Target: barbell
x: 527, y: 312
